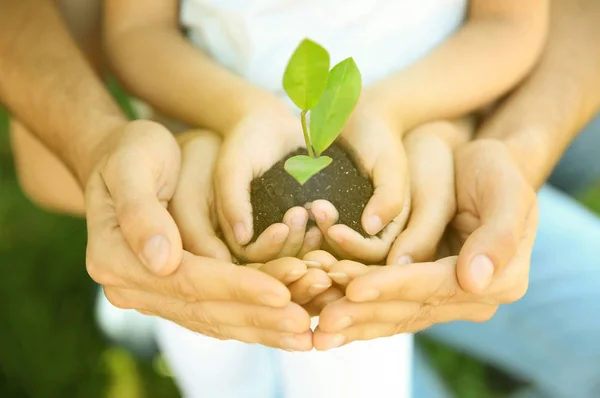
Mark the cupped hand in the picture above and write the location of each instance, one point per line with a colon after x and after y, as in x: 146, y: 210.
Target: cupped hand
x: 135, y: 251
x: 309, y: 286
x: 260, y: 140
x: 496, y: 219
x: 375, y: 143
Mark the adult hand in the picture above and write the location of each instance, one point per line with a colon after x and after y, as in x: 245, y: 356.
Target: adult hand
x: 260, y: 140
x: 376, y: 145
x: 135, y: 252
x: 494, y: 229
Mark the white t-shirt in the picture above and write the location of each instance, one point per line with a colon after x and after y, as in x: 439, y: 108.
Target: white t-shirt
x: 254, y: 38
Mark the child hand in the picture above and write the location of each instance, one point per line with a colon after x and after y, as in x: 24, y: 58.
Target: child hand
x: 429, y: 150
x: 259, y: 141
x: 193, y: 205
x: 376, y: 145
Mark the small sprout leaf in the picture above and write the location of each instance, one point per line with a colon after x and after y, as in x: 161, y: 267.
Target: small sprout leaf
x: 305, y: 76
x: 302, y: 167
x: 331, y: 113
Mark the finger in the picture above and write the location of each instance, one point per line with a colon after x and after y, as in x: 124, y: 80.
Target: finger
x: 268, y: 338
x: 368, y: 331
x: 141, y: 177
x: 296, y: 219
x: 285, y: 270
x: 309, y: 286
x: 344, y: 314
x: 326, y: 341
x: 432, y: 283
x: 350, y: 244
x: 268, y: 245
x: 345, y: 271
x: 512, y: 284
x: 312, y: 241
x: 232, y: 183
x: 325, y: 259
x: 292, y: 318
x: 431, y: 167
x: 390, y: 184
x: 316, y: 305
x: 504, y: 205
x: 326, y: 215
x: 191, y: 204
x: 372, y: 249
x: 202, y: 278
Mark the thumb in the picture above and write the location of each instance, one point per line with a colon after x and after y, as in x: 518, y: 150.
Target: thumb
x: 390, y: 181
x: 505, y: 206
x: 141, y: 176
x: 232, y: 184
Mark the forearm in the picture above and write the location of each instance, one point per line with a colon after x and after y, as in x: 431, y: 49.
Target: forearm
x: 477, y: 65
x: 540, y: 119
x: 47, y: 84
x: 159, y: 66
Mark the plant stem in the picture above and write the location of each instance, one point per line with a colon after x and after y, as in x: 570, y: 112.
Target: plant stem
x: 309, y: 148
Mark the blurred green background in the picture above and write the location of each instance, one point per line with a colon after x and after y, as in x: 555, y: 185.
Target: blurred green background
x: 50, y: 346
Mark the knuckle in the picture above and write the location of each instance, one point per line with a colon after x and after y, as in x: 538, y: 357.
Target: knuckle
x: 443, y: 295
x: 424, y: 313
x: 484, y: 315
x: 254, y: 319
x: 516, y: 293
x: 116, y: 298
x: 218, y: 332
x: 199, y: 314
x: 97, y: 271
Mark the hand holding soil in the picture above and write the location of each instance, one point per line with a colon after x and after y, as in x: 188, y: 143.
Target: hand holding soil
x: 259, y: 141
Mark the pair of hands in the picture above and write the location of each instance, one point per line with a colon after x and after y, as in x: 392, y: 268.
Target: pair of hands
x: 135, y: 247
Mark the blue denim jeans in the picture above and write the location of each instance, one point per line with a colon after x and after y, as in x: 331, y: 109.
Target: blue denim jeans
x: 550, y: 338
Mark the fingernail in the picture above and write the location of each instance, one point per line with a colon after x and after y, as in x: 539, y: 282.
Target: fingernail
x: 336, y: 341
x: 318, y: 288
x: 365, y: 295
x: 339, y: 277
x: 299, y: 220
x: 290, y: 343
x: 294, y: 275
x: 482, y: 271
x: 312, y: 264
x: 239, y: 230
x: 272, y: 300
x: 374, y: 224
x: 289, y: 325
x: 156, y: 252
x: 404, y: 260
x: 343, y: 323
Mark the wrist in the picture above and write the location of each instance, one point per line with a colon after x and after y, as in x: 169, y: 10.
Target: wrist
x: 251, y: 102
x: 371, y: 109
x: 529, y: 148
x: 87, y: 153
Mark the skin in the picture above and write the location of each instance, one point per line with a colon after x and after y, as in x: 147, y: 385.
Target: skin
x: 130, y: 171
x: 516, y: 292
x: 512, y: 153
x: 258, y: 128
x: 155, y: 25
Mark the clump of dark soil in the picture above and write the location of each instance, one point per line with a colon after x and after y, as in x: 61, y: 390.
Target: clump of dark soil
x: 341, y: 183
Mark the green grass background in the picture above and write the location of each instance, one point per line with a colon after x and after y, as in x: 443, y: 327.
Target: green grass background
x: 50, y: 346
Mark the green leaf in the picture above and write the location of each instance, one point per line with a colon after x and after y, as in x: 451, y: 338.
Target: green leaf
x: 336, y: 105
x: 303, y: 167
x: 305, y: 76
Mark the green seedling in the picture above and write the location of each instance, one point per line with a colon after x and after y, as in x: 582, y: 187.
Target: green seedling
x: 329, y: 95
